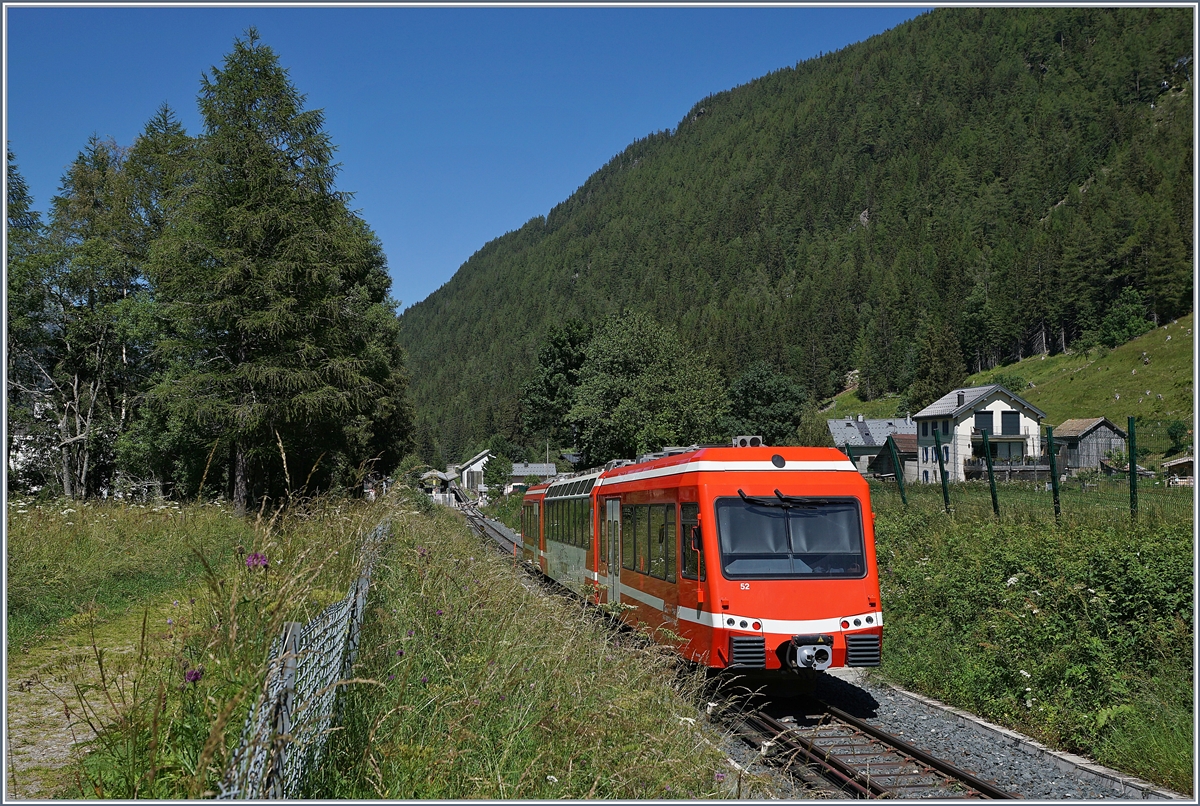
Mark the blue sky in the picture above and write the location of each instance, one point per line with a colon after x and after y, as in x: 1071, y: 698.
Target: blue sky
x: 453, y: 125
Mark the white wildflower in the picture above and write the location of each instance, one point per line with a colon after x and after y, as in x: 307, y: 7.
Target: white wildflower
x: 552, y: 779
x: 1025, y: 673
x: 1012, y: 581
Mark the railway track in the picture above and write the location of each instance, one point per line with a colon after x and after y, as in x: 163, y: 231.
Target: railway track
x: 484, y: 528
x: 858, y: 758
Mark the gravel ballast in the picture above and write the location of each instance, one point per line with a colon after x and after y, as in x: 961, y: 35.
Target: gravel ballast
x: 1015, y: 762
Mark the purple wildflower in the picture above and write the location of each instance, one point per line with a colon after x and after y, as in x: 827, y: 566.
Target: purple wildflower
x: 170, y: 621
x: 175, y: 603
x: 193, y: 675
x: 255, y: 560
x: 720, y: 777
x: 192, y: 600
x: 391, y: 677
x: 399, y: 653
x: 501, y: 697
x: 439, y: 612
x: 410, y: 633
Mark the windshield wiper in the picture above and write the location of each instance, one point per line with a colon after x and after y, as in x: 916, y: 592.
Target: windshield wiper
x: 786, y: 501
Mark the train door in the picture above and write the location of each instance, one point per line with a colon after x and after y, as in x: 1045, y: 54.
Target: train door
x: 612, y: 533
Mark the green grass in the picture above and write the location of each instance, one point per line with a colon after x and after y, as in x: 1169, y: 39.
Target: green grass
x: 1087, y: 384
x: 471, y: 682
x: 67, y: 559
x: 489, y: 688
x: 153, y: 732
x: 1079, y: 635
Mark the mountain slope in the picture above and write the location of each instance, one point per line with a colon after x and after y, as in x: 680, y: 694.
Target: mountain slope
x: 1012, y: 169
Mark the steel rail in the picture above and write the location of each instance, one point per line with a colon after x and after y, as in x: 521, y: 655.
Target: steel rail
x: 985, y: 788
x: 831, y: 767
x: 877, y: 779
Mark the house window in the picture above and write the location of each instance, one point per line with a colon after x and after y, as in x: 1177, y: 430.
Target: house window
x: 946, y: 453
x: 983, y: 421
x: 925, y: 429
x: 1010, y: 423
x: 926, y: 474
x: 946, y: 427
x: 925, y: 454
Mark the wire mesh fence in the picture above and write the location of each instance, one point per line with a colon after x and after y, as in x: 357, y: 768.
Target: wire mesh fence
x: 1159, y: 489
x: 284, y: 735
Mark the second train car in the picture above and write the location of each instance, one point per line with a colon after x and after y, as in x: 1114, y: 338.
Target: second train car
x: 758, y: 558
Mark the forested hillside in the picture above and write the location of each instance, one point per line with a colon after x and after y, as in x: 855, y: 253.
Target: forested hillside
x: 1000, y: 175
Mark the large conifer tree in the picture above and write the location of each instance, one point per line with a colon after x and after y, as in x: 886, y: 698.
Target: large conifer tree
x: 278, y: 293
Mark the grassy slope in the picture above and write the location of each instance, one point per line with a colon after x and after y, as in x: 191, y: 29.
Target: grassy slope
x: 1087, y: 384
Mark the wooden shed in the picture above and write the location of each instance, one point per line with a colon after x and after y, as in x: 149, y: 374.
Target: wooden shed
x: 1082, y: 443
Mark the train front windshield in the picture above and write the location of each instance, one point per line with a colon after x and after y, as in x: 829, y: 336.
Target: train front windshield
x: 790, y: 538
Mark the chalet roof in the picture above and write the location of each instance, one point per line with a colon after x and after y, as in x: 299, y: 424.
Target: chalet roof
x: 543, y: 469
x: 1183, y: 460
x: 869, y: 433
x: 485, y: 453
x: 906, y: 443
x: 1082, y: 426
x: 436, y: 474
x: 948, y: 406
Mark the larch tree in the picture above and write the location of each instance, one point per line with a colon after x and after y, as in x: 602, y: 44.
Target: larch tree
x: 284, y: 338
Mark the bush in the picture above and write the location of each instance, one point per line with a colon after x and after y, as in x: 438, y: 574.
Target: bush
x: 1055, y: 632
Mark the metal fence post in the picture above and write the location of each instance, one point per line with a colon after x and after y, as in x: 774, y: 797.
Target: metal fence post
x: 1053, y: 472
x: 891, y: 443
x: 283, y: 708
x: 1133, y: 492
x: 987, y: 455
x: 941, y: 468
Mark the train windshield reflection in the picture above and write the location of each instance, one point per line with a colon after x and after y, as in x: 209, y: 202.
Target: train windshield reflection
x: 793, y: 540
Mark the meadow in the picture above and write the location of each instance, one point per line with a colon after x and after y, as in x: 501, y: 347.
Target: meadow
x: 1079, y: 634
x: 471, y: 681
x: 1100, y: 382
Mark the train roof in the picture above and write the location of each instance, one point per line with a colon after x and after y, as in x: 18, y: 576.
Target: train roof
x: 723, y: 458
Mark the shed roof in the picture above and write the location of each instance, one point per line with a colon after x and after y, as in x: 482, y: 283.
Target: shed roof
x: 948, y: 406
x: 1081, y: 426
x: 1183, y: 460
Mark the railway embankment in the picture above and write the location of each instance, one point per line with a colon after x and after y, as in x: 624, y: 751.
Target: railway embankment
x: 1078, y: 636
x: 489, y: 688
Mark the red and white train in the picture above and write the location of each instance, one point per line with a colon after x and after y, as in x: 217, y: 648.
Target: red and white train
x: 757, y: 557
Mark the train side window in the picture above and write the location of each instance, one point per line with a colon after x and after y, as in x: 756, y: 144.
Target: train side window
x: 643, y: 539
x: 580, y: 520
x: 693, y: 561
x: 628, y: 528
x: 589, y: 525
x: 658, y: 541
x: 579, y: 515
x: 670, y: 542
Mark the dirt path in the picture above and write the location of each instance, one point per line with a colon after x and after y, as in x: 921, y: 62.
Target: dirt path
x: 44, y: 728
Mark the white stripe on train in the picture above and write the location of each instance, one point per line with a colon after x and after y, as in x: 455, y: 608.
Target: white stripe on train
x: 769, y: 625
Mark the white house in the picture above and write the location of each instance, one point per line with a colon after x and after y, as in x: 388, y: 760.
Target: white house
x: 957, y: 422
x: 471, y: 472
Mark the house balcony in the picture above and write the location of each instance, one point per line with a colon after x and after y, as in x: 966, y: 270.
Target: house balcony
x: 1023, y: 436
